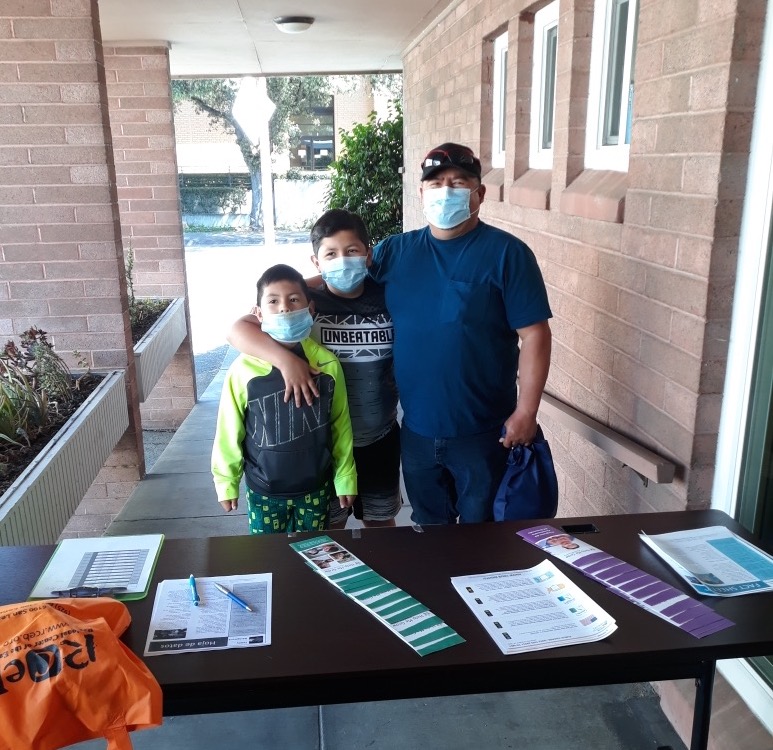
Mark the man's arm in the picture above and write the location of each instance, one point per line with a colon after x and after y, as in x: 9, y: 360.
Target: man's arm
x: 247, y: 336
x: 533, y: 367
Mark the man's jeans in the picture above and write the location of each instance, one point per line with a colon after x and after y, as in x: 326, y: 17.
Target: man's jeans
x: 450, y: 478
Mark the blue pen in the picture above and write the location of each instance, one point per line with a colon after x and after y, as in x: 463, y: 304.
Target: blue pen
x: 235, y: 599
x: 194, y: 591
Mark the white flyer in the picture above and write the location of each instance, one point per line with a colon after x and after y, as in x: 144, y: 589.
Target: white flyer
x: 179, y: 625
x: 714, y: 560
x: 533, y: 609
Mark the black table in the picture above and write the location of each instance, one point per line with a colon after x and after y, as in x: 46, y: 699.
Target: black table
x: 302, y: 668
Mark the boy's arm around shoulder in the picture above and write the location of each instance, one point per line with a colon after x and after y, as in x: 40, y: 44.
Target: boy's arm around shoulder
x: 227, y: 456
x: 345, y: 472
x: 247, y: 336
x: 379, y: 264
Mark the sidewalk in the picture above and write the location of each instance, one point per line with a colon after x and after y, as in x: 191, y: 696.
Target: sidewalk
x: 177, y: 499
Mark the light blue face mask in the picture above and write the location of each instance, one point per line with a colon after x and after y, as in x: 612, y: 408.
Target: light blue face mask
x: 288, y: 327
x: 446, y: 207
x: 344, y: 274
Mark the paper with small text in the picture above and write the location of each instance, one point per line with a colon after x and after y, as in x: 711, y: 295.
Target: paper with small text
x: 627, y: 581
x: 533, y: 609
x: 714, y: 560
x: 177, y: 625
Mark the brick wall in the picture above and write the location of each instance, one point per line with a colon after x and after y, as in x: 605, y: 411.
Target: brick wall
x: 140, y: 103
x: 642, y: 301
x: 59, y: 235
x: 62, y: 267
x: 640, y: 266
x: 350, y: 109
x: 191, y: 126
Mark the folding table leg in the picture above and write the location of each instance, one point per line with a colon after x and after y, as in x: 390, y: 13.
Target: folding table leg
x: 704, y: 688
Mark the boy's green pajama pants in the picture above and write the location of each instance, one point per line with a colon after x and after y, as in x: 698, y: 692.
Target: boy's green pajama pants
x: 271, y: 515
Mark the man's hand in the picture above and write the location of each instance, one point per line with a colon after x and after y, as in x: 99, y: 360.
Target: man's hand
x: 346, y: 501
x: 520, y: 429
x: 533, y: 366
x: 299, y: 381
x: 229, y: 505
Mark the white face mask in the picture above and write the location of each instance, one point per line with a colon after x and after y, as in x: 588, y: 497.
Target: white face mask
x: 446, y: 207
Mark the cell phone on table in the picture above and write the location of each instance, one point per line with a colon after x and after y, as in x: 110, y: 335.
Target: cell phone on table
x: 580, y: 528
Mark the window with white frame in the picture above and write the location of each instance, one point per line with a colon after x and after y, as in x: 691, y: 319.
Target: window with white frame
x: 610, y: 97
x: 543, y: 87
x: 499, y: 96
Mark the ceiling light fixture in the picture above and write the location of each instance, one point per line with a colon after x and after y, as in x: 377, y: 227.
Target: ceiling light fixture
x: 293, y: 24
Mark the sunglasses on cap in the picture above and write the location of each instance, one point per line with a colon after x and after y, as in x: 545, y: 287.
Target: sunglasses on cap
x: 439, y: 157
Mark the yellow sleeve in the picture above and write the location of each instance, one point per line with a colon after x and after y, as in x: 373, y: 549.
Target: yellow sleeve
x: 227, y: 456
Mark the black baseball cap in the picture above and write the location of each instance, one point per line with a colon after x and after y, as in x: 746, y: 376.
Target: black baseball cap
x: 450, y: 155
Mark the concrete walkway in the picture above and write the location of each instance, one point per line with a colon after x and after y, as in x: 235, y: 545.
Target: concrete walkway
x: 177, y: 498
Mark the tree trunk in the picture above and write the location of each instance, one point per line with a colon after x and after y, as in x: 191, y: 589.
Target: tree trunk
x: 256, y: 208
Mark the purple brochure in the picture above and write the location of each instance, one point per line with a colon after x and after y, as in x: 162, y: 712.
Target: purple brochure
x: 627, y: 581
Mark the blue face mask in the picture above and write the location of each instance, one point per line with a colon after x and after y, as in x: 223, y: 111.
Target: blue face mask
x: 344, y: 274
x: 446, y: 207
x: 288, y: 327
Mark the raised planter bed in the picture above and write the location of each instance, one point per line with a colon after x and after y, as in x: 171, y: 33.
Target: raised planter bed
x: 156, y: 349
x: 37, y: 506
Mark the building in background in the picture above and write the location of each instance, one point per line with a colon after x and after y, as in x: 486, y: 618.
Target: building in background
x: 209, y: 158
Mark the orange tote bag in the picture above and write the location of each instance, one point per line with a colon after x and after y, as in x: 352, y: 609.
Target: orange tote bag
x: 66, y: 677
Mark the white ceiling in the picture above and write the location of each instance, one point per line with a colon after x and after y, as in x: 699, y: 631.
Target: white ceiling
x: 238, y: 37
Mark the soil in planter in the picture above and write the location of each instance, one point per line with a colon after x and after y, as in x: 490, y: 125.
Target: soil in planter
x: 15, y: 459
x: 144, y: 313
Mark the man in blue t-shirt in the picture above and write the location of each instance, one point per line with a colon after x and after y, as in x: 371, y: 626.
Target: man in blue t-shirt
x: 462, y: 295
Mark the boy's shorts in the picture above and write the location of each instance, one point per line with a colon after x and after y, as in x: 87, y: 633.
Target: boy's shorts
x: 378, y: 481
x: 274, y: 515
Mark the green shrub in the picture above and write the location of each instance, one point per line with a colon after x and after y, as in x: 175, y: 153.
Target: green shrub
x: 142, y: 312
x: 34, y: 382
x: 295, y: 174
x: 367, y: 179
x: 212, y: 200
x: 213, y: 193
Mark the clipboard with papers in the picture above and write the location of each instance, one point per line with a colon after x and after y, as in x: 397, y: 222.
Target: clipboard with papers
x: 119, y: 566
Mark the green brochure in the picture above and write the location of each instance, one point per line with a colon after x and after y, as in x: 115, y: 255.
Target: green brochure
x: 408, y: 618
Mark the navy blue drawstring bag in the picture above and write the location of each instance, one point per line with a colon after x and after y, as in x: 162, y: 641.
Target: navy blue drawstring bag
x: 529, y: 488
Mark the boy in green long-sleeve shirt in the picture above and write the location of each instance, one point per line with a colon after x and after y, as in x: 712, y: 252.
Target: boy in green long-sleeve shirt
x: 293, y: 458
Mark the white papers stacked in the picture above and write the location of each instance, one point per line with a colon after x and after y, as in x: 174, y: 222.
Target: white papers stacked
x: 533, y: 609
x: 408, y: 618
x: 714, y: 561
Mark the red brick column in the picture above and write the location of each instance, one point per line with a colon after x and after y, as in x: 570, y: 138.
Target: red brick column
x: 140, y: 104
x: 62, y: 266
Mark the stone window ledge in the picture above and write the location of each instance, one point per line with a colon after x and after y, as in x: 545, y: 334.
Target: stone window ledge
x: 596, y: 194
x: 532, y: 189
x: 495, y: 185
